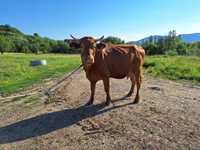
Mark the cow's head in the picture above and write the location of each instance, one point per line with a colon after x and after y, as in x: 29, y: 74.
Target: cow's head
x: 88, y: 49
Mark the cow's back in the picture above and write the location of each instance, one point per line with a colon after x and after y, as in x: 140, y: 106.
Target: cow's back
x: 119, y: 60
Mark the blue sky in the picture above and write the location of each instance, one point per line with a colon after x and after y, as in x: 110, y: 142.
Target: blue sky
x: 128, y: 19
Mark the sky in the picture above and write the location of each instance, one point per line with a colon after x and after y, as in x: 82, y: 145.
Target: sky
x: 128, y: 19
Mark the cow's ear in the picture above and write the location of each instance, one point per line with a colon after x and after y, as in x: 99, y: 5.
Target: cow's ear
x: 101, y: 46
x: 66, y: 40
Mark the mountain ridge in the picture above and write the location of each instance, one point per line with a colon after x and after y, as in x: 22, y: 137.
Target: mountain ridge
x: 188, y: 38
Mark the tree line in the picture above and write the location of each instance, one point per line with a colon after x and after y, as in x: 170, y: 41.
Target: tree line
x: 170, y: 45
x: 13, y: 40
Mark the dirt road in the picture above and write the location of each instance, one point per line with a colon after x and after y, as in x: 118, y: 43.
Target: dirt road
x: 167, y: 117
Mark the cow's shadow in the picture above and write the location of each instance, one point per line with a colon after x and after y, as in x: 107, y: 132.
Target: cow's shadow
x: 49, y: 122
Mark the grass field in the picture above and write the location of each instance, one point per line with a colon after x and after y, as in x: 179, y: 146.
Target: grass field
x: 174, y: 67
x: 16, y: 73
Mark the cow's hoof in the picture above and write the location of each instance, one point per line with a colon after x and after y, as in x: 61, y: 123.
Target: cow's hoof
x: 88, y: 103
x: 129, y: 95
x: 136, y: 101
x: 107, y: 103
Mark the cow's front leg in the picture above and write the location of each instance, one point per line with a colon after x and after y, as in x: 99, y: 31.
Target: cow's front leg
x: 92, y: 86
x: 107, y: 90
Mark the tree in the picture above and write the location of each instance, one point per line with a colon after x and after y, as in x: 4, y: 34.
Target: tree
x: 171, y: 44
x: 181, y: 48
x: 36, y: 35
x: 113, y: 40
x: 4, y: 45
x: 34, y: 48
x: 44, y: 45
x: 161, y: 46
x: 194, y: 49
x: 61, y: 47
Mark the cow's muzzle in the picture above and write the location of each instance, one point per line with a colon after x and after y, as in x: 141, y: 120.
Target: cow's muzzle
x: 88, y: 64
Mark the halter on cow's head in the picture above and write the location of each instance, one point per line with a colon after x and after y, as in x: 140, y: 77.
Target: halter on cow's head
x: 88, y: 49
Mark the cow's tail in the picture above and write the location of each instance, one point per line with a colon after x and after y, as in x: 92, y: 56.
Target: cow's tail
x: 142, y: 54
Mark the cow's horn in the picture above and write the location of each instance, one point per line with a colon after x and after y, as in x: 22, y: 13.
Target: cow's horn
x: 73, y: 37
x: 100, y: 39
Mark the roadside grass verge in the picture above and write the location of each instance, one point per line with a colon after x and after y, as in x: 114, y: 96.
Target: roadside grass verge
x: 17, y: 74
x: 174, y: 67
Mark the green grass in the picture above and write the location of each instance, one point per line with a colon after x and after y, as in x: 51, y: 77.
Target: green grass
x: 16, y: 73
x: 174, y: 67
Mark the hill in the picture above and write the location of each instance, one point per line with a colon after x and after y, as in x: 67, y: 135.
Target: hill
x: 13, y: 40
x: 8, y: 29
x: 11, y: 34
x: 188, y: 38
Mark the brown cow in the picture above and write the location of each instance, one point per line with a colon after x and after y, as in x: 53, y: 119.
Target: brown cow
x: 103, y: 61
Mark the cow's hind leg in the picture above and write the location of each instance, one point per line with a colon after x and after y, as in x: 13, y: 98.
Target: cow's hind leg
x: 132, y: 86
x: 92, y: 86
x: 138, y: 84
x: 106, y: 83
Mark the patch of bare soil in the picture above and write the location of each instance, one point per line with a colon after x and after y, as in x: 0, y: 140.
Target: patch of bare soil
x: 167, y: 117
